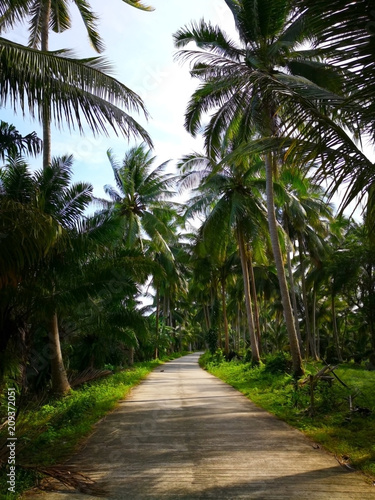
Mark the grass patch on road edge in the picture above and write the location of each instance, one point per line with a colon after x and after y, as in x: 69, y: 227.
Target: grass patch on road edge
x: 350, y: 435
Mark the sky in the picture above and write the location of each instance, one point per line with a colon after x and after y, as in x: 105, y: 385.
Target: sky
x: 139, y: 46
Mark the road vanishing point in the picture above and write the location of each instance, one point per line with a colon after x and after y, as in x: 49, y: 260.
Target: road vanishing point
x: 184, y: 434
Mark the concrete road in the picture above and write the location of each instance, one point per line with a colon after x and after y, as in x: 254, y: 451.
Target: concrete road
x: 183, y: 434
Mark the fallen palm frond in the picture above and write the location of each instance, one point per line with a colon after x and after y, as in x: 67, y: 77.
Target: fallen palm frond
x: 88, y: 375
x: 69, y: 476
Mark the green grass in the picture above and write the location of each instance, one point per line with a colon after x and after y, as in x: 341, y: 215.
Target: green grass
x: 49, y: 434
x: 332, y: 424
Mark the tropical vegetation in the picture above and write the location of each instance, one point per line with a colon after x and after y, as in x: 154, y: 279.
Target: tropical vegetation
x: 256, y: 264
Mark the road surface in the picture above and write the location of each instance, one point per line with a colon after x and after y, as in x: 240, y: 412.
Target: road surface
x: 184, y: 434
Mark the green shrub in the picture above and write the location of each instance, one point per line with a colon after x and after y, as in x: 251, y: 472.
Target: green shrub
x: 211, y: 339
x: 278, y: 363
x: 248, y: 356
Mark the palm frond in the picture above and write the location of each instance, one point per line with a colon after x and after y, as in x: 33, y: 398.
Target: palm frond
x: 208, y: 37
x: 90, y: 21
x: 16, y: 180
x: 112, y: 193
x: 13, y: 12
x: 12, y: 142
x: 74, y: 89
x: 138, y: 5
x: 73, y: 203
x: 60, y: 19
x: 36, y: 11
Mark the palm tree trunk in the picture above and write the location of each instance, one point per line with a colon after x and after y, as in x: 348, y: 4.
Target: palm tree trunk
x: 263, y: 322
x: 288, y: 313
x: 238, y: 326
x: 314, y: 336
x: 335, y: 329
x: 46, y: 113
x: 255, y: 299
x: 165, y: 309
x: 225, y: 319
x: 206, y: 313
x: 249, y: 310
x: 293, y: 295
x: 60, y: 384
x: 157, y: 314
x: 310, y: 340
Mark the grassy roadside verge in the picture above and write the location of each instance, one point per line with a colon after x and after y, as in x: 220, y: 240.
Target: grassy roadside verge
x: 350, y: 435
x: 50, y: 433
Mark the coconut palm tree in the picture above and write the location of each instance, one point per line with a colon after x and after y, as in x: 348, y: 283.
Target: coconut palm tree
x: 343, y: 32
x: 64, y: 203
x: 59, y: 86
x: 49, y: 194
x: 170, y: 279
x: 222, y: 265
x: 140, y: 197
x: 231, y: 201
x: 149, y: 223
x: 256, y: 86
x: 305, y: 216
x: 13, y: 143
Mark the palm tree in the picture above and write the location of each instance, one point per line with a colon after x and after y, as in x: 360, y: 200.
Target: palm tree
x: 170, y: 279
x: 49, y: 193
x: 305, y: 218
x: 221, y: 264
x: 140, y: 198
x: 232, y: 202
x: 13, y: 143
x: 61, y: 87
x: 65, y: 204
x: 203, y: 289
x: 149, y: 222
x: 21, y: 222
x: 256, y: 85
x: 343, y: 33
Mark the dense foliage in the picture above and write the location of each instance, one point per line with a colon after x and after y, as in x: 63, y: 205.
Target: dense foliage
x: 222, y: 277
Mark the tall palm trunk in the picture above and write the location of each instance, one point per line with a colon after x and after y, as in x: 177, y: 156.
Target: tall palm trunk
x: 225, y: 319
x: 157, y: 315
x: 46, y: 113
x: 310, y: 340
x: 314, y: 332
x: 238, y: 325
x: 335, y: 329
x: 60, y: 384
x: 254, y: 299
x: 288, y: 313
x: 207, y: 319
x: 293, y: 292
x: 249, y: 310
